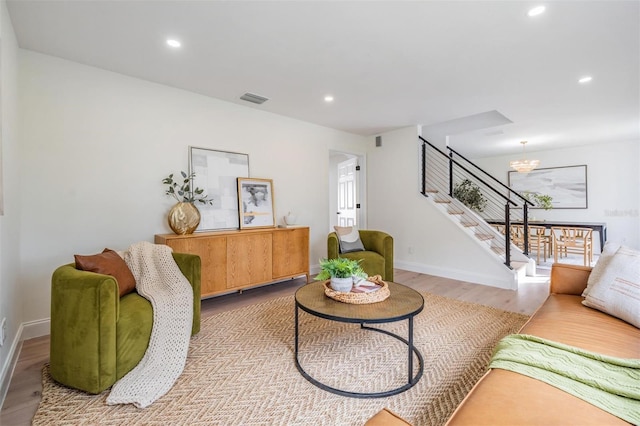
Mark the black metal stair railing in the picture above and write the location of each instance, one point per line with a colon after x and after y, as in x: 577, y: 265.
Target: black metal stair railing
x: 443, y: 173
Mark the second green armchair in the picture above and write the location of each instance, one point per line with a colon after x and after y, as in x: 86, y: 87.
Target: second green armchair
x: 377, y: 259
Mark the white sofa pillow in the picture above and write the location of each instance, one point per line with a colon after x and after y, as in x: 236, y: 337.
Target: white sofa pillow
x: 608, y: 251
x: 617, y: 289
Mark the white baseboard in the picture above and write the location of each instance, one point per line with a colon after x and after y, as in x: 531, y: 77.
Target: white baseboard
x: 36, y: 328
x: 314, y: 270
x: 10, y: 365
x: 508, y: 282
x: 27, y: 330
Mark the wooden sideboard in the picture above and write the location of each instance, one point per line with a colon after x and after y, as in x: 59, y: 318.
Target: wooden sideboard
x: 238, y: 259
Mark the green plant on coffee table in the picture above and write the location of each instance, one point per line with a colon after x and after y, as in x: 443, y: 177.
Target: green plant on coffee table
x: 340, y: 267
x: 184, y: 193
x: 470, y: 195
x: 541, y: 201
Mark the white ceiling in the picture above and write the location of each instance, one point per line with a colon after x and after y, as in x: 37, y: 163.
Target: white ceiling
x: 389, y: 64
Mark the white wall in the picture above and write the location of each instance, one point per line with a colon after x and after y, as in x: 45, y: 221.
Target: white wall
x: 96, y: 146
x: 10, y: 291
x: 425, y: 239
x: 613, y: 182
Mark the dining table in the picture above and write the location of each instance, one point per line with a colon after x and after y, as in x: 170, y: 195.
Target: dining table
x: 599, y: 227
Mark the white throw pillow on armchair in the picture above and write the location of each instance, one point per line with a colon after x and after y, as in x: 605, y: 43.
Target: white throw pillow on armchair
x: 348, y: 239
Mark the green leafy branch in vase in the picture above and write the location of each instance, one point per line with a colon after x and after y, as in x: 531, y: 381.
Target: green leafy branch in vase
x: 183, y: 193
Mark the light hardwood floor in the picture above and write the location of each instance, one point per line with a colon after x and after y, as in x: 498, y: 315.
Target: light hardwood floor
x: 25, y: 389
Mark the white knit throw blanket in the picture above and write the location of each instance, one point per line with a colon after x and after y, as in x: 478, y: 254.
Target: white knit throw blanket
x: 158, y: 279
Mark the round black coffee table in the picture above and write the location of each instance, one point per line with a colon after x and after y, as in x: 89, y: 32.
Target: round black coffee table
x: 403, y: 303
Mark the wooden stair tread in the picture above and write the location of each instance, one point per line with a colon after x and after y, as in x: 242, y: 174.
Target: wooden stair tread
x: 455, y: 212
x: 468, y: 224
x: 498, y: 250
x: 484, y: 237
x: 443, y: 201
x: 431, y: 191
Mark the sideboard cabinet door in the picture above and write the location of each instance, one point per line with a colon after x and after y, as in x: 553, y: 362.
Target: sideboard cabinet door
x: 290, y: 252
x: 213, y: 256
x: 248, y: 259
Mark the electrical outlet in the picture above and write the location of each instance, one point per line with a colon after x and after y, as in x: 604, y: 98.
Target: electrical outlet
x: 3, y: 331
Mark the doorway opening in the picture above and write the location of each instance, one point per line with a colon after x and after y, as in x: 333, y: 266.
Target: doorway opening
x: 347, y: 190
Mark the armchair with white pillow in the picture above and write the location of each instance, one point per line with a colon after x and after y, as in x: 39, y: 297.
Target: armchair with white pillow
x: 373, y: 248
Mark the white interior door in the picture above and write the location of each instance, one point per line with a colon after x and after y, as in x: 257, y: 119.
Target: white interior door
x: 347, y: 193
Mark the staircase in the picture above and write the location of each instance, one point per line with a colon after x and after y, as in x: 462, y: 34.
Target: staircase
x: 443, y: 173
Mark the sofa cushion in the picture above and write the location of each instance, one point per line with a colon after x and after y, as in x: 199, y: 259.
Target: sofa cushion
x: 616, y: 289
x: 506, y: 398
x: 108, y: 263
x: 349, y: 239
x: 563, y: 319
x: 386, y: 417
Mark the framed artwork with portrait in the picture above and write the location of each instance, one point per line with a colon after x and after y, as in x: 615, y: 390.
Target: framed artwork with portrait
x: 255, y: 201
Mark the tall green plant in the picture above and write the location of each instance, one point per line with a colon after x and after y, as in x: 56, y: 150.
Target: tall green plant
x: 470, y: 195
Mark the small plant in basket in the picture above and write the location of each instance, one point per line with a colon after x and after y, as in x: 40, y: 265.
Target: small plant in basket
x: 341, y: 272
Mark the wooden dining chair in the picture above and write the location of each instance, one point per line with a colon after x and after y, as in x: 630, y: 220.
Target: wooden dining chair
x: 517, y: 236
x: 539, y: 241
x: 498, y: 227
x: 572, y: 240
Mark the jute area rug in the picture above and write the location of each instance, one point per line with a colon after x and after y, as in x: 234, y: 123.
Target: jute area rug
x: 240, y: 370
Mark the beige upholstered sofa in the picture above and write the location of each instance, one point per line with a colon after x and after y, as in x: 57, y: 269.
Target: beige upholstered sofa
x: 506, y: 398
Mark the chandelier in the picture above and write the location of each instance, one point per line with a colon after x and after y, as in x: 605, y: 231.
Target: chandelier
x: 523, y: 166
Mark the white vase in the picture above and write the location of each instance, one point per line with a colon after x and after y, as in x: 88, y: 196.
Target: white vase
x: 290, y: 219
x: 342, y: 284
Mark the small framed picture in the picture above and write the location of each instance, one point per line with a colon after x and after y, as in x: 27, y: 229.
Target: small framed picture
x: 255, y: 199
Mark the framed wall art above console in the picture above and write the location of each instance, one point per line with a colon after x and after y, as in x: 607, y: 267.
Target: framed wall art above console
x: 217, y: 172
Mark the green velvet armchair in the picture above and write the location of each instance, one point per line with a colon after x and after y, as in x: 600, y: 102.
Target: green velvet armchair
x: 377, y: 259
x: 96, y: 336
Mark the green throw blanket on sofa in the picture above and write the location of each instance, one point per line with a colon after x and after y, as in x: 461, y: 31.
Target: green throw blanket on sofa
x: 612, y: 384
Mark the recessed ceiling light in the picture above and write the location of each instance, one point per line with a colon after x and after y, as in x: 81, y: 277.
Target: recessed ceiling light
x: 585, y: 79
x: 173, y: 43
x: 536, y: 11
x: 328, y: 98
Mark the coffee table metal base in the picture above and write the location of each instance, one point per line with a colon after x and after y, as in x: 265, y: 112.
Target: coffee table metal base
x: 412, y: 379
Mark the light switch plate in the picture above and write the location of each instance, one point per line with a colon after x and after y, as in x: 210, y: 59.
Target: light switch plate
x: 3, y: 331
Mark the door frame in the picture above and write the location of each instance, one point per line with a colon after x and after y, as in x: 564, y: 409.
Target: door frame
x: 336, y: 157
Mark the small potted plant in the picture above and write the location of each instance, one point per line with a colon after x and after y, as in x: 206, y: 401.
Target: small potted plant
x: 470, y: 195
x: 541, y: 201
x: 184, y: 217
x: 341, y: 271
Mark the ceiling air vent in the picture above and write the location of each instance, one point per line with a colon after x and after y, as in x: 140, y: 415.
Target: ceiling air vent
x: 252, y: 97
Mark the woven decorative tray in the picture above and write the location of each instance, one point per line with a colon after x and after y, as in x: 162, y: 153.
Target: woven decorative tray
x: 360, y: 298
